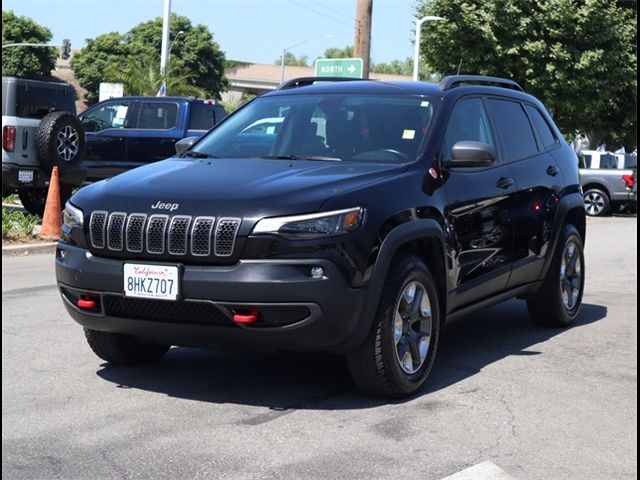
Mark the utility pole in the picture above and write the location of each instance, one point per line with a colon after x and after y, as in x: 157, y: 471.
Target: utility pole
x: 362, y: 41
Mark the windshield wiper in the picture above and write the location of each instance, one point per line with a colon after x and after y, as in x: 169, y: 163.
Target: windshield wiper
x: 192, y: 154
x: 301, y: 157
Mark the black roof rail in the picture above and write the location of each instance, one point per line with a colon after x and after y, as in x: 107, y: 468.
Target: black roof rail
x: 304, y: 81
x: 456, y: 80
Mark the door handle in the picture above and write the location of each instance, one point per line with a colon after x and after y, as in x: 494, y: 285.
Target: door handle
x: 552, y: 170
x: 504, y: 182
x: 167, y: 140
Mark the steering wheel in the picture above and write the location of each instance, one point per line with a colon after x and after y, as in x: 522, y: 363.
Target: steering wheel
x: 397, y: 153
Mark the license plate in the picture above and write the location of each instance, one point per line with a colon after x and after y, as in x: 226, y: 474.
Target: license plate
x: 151, y: 281
x: 25, y: 176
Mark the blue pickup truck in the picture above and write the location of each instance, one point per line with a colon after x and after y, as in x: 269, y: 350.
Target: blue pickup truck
x: 124, y: 133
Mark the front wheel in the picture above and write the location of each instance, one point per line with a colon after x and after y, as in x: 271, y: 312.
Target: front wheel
x: 123, y: 349
x: 398, y: 354
x: 558, y: 302
x: 34, y: 199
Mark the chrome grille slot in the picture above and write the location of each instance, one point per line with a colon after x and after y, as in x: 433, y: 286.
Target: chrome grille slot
x: 178, y: 232
x: 156, y: 230
x: 225, y: 237
x: 135, y: 232
x: 115, y: 230
x: 97, y: 225
x: 201, y: 236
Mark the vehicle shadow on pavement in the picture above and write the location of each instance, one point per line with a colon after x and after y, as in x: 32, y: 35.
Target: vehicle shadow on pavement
x: 285, y: 382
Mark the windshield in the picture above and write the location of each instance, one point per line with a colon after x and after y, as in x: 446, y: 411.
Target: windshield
x: 367, y: 128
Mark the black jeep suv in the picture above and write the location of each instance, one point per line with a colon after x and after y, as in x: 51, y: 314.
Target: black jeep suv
x: 351, y: 217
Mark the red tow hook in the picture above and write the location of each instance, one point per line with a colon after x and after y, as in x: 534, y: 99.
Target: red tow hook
x: 253, y: 315
x: 86, y: 302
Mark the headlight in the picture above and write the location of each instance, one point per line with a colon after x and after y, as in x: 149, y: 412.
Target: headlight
x: 315, y: 225
x: 72, y: 217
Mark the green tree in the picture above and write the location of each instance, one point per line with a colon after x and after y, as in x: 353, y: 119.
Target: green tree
x: 91, y: 62
x: 292, y: 60
x: 335, y: 52
x: 578, y: 56
x: 141, y: 76
x: 26, y: 61
x: 195, y: 57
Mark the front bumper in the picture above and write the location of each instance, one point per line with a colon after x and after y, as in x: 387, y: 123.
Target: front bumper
x: 332, y: 307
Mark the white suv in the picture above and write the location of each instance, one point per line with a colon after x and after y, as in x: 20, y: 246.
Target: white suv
x: 39, y: 130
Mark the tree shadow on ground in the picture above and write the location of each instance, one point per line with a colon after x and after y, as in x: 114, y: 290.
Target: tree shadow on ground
x: 290, y: 381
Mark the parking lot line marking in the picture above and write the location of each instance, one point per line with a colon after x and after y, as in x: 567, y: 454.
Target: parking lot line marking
x: 482, y: 471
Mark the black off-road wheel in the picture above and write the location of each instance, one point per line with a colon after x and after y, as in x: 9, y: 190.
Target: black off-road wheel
x: 34, y: 199
x: 398, y: 354
x: 122, y: 349
x: 60, y: 141
x: 557, y: 303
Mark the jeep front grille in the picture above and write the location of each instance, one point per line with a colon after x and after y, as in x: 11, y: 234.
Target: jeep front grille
x: 179, y: 235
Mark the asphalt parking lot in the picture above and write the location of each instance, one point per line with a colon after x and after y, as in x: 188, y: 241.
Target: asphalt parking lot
x: 538, y: 403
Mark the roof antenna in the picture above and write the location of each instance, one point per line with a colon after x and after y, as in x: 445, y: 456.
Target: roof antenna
x: 459, y: 67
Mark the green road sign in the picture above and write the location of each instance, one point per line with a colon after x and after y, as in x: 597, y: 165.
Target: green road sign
x: 339, y: 67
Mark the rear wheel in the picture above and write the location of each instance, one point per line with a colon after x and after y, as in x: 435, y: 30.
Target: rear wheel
x: 558, y: 302
x: 123, y: 349
x: 34, y: 199
x: 60, y: 141
x: 398, y: 354
x: 596, y: 202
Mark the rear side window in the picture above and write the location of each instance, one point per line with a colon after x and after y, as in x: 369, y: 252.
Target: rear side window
x: 546, y: 135
x: 203, y: 116
x: 157, y: 115
x: 584, y: 161
x: 468, y: 122
x: 608, y: 161
x: 630, y: 161
x: 515, y: 130
x: 35, y: 101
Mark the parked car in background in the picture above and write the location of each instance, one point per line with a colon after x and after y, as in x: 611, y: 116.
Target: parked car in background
x: 39, y: 130
x: 124, y: 133
x: 606, y: 185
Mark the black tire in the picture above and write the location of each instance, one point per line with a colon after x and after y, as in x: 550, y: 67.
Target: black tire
x: 60, y: 141
x: 123, y: 349
x: 34, y: 199
x: 596, y: 202
x: 375, y: 365
x: 547, y: 306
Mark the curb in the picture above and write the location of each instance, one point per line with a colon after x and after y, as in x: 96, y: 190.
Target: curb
x: 26, y: 250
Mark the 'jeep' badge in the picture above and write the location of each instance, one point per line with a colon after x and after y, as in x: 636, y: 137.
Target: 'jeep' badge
x: 165, y: 206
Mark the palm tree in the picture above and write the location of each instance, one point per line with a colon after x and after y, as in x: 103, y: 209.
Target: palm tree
x: 141, y: 76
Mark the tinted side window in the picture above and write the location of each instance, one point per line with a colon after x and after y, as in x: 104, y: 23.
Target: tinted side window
x: 468, y: 121
x: 608, y: 161
x: 157, y: 116
x: 585, y: 161
x: 35, y: 101
x: 630, y: 161
x: 203, y: 116
x: 109, y: 115
x: 515, y: 129
x: 546, y: 135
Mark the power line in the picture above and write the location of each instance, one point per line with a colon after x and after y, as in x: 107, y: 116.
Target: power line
x: 321, y: 13
x: 350, y: 17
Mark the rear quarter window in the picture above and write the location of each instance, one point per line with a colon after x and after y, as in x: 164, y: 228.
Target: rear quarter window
x: 544, y: 131
x: 204, y: 116
x: 34, y: 101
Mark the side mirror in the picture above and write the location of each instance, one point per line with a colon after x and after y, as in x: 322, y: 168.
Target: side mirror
x: 472, y: 154
x: 185, y: 143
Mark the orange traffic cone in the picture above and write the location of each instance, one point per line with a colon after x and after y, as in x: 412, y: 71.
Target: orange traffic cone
x: 52, y: 220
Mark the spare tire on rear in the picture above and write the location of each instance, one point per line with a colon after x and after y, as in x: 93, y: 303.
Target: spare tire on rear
x: 60, y: 141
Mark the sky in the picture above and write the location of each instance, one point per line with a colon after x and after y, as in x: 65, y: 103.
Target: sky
x: 253, y: 31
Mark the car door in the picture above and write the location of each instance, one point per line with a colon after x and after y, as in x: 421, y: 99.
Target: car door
x: 158, y: 127
x: 480, y: 210
x: 107, y: 133
x: 527, y: 145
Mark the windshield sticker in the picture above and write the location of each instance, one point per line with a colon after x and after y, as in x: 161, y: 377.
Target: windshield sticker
x: 408, y: 134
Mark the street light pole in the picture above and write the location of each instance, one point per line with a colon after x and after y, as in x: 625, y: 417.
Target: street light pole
x: 416, y: 47
x: 164, y: 49
x: 284, y: 52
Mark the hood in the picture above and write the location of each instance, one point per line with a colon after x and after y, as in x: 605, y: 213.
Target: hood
x: 245, y: 188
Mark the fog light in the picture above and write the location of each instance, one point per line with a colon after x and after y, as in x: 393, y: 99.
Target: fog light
x: 317, y: 272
